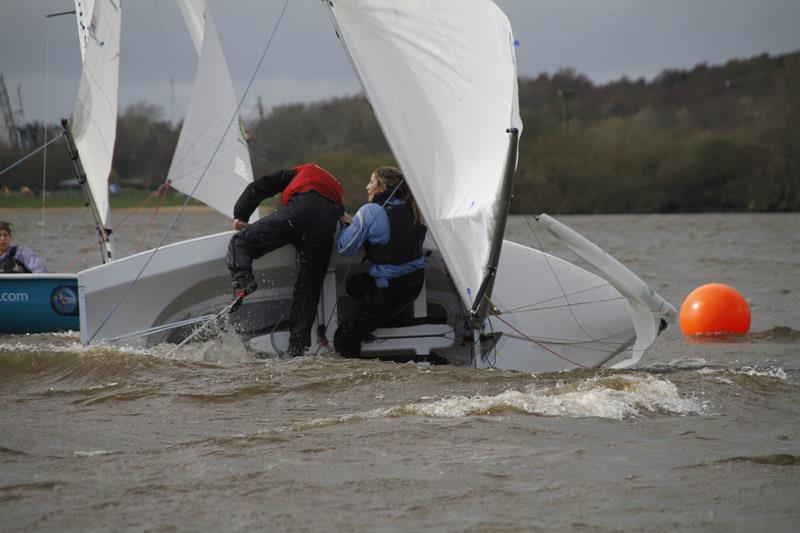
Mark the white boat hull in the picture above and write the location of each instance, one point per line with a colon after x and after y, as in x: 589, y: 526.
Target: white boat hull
x: 552, y: 315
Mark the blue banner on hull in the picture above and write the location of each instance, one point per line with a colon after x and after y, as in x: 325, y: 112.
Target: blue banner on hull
x: 38, y: 303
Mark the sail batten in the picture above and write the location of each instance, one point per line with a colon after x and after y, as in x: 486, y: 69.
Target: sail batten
x: 441, y: 78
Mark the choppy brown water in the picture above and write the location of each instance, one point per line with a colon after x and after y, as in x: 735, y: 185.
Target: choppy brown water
x: 704, y: 435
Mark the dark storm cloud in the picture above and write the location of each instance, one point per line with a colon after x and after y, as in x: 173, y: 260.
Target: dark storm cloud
x: 604, y: 39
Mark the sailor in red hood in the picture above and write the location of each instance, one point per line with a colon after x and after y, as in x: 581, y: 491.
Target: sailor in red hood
x: 311, y: 204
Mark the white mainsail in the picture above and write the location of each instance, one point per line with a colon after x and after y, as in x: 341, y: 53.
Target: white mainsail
x: 94, y: 124
x: 441, y: 77
x: 211, y: 106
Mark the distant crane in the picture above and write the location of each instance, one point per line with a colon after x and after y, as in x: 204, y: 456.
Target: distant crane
x: 8, y: 132
x: 20, y: 112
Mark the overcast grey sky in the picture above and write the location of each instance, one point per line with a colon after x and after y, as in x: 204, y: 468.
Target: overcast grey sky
x: 604, y: 39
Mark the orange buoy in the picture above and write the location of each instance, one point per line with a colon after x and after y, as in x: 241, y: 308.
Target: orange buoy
x: 714, y: 308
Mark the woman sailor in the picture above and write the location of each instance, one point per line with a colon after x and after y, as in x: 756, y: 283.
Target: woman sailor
x: 390, y: 231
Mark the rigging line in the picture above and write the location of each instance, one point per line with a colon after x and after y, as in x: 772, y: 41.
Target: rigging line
x: 492, y: 335
x: 533, y: 305
x: 333, y: 310
x: 25, y: 158
x: 84, y: 251
x: 443, y: 270
x: 534, y: 341
x: 601, y: 345
x: 44, y: 125
x: 558, y: 281
x: 532, y: 309
x: 162, y: 194
x: 197, y: 183
x: 159, y: 329
x: 61, y: 238
x: 166, y: 62
x: 588, y: 348
x: 209, y: 319
x: 135, y: 209
x: 81, y: 255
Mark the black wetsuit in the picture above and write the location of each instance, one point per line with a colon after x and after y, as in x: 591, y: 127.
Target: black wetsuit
x: 308, y: 221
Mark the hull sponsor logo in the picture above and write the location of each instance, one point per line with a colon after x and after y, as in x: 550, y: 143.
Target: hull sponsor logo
x: 13, y: 297
x: 64, y: 300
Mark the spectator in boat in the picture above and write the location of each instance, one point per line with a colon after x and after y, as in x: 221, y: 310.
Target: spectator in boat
x: 311, y: 203
x: 17, y: 259
x: 391, y: 232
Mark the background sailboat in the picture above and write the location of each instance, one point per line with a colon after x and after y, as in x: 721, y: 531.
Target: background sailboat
x: 49, y: 302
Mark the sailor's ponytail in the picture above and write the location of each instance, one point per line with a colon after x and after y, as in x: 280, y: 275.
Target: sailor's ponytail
x: 392, y: 177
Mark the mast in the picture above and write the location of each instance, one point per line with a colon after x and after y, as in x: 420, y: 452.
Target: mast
x: 482, y: 297
x: 103, y: 233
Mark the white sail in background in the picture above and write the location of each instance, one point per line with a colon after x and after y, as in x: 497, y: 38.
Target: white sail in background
x: 94, y: 123
x: 441, y: 77
x: 207, y: 122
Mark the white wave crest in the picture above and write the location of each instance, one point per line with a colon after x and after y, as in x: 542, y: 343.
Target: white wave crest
x: 770, y: 372
x: 93, y: 453
x: 72, y: 347
x: 615, y: 397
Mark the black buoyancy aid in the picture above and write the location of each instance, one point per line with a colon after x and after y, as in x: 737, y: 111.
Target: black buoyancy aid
x: 405, y: 238
x: 10, y: 264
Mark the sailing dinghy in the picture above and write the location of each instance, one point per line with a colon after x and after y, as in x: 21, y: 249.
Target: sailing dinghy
x: 441, y: 78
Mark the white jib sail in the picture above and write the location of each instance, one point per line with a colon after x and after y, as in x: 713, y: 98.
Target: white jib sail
x: 647, y: 306
x: 207, y: 121
x: 94, y: 124
x: 441, y: 77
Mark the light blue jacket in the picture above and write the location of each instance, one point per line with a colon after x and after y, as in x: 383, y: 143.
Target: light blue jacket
x: 371, y: 224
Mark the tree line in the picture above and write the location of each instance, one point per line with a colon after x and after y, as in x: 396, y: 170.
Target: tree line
x: 712, y: 138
